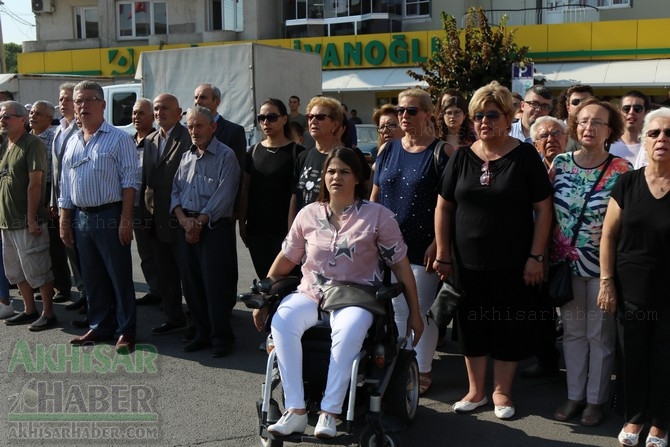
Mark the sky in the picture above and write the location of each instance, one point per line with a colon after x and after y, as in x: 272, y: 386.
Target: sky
x: 18, y: 21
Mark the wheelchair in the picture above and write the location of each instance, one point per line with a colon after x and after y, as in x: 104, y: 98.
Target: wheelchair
x: 384, y: 384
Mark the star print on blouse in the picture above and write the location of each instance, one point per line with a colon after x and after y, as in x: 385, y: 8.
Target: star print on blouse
x: 320, y: 279
x: 324, y: 222
x: 376, y: 281
x: 388, y: 252
x: 343, y: 249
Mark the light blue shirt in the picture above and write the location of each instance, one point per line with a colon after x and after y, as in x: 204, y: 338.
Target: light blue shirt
x: 516, y: 131
x: 207, y: 184
x: 95, y: 173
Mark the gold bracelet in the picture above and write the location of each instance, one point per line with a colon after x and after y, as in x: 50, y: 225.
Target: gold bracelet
x: 607, y: 278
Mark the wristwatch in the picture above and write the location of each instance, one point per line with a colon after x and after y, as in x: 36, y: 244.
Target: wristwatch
x: 538, y: 258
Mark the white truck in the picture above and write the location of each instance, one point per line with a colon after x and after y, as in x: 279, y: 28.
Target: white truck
x: 246, y: 74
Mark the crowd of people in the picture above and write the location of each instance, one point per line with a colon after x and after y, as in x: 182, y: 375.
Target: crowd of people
x: 487, y: 192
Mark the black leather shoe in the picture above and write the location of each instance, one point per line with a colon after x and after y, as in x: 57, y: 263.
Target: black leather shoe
x: 537, y: 370
x: 81, y: 302
x: 166, y: 328
x: 194, y: 345
x: 148, y: 300
x: 221, y: 351
x: 189, y: 335
x: 81, y: 324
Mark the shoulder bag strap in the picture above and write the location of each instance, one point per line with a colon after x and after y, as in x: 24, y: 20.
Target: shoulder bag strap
x: 578, y: 224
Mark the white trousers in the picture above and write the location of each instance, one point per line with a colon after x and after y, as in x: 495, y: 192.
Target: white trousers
x: 589, y: 340
x: 295, y: 315
x: 426, y: 286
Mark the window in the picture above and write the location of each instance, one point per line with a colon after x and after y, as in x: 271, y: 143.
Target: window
x: 227, y: 15
x: 605, y: 4
x: 122, y: 108
x: 416, y: 8
x: 141, y: 19
x: 86, y: 23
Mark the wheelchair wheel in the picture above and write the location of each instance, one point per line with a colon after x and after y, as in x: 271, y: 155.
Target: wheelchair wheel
x: 402, y: 394
x: 266, y: 442
x: 370, y: 439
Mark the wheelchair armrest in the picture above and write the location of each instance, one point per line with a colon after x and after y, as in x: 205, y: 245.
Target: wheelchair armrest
x: 278, y: 285
x: 389, y: 291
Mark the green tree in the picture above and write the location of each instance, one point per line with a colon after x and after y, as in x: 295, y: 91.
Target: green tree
x: 487, y: 54
x: 11, y: 50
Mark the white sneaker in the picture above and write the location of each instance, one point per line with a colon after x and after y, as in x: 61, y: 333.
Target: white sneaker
x: 289, y: 423
x: 326, y: 427
x: 6, y: 310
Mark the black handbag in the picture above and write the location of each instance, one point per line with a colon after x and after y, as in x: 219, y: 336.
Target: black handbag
x: 446, y: 303
x: 345, y: 295
x: 559, y: 287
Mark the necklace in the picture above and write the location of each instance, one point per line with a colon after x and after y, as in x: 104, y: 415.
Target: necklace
x: 272, y: 150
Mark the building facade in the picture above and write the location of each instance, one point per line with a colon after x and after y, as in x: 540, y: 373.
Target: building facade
x: 366, y: 45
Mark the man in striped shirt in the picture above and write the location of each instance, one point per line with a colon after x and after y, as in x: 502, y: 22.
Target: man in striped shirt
x: 100, y: 177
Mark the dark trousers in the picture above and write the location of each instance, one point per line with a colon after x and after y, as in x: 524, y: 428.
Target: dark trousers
x: 263, y: 250
x: 545, y: 329
x: 169, y: 280
x: 107, y: 270
x: 58, y: 255
x: 644, y: 339
x: 209, y: 275
x: 143, y: 238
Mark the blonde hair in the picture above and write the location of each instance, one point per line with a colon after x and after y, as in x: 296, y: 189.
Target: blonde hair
x: 496, y: 94
x: 335, y: 107
x: 424, y: 98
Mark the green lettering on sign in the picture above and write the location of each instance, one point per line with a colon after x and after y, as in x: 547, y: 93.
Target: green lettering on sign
x: 353, y: 54
x: 330, y: 56
x: 375, y: 53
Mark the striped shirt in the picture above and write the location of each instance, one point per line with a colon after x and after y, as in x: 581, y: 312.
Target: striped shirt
x: 95, y: 173
x: 207, y: 184
x: 47, y: 138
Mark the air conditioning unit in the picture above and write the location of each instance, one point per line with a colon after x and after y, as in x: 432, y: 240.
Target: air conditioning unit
x: 43, y: 6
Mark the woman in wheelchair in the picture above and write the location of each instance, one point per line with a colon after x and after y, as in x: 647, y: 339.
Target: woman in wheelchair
x: 340, y: 239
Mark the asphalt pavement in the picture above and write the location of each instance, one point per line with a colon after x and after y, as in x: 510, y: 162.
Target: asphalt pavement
x: 160, y: 396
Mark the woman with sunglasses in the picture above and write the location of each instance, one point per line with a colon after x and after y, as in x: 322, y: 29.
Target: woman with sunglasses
x: 325, y: 118
x: 492, y: 225
x: 579, y: 204
x: 266, y: 190
x: 634, y: 265
x: 454, y: 124
x: 405, y: 181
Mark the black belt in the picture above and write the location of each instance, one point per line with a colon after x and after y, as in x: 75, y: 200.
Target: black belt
x: 189, y: 213
x: 97, y: 209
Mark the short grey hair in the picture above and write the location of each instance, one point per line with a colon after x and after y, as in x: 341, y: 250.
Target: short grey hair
x: 200, y: 111
x: 145, y: 101
x: 18, y: 108
x: 544, y: 120
x: 66, y: 86
x: 90, y: 85
x: 49, y: 107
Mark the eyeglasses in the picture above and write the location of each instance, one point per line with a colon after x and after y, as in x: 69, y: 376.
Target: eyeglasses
x: 655, y: 133
x: 491, y: 116
x: 270, y: 118
x: 576, y: 101
x: 81, y: 102
x: 637, y: 108
x: 387, y: 127
x: 554, y: 133
x: 485, y: 178
x: 318, y: 116
x: 592, y: 123
x: 454, y: 113
x: 8, y: 116
x: 539, y: 106
x: 411, y: 110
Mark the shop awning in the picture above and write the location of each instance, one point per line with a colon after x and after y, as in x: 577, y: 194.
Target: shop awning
x: 373, y: 79
x: 634, y: 73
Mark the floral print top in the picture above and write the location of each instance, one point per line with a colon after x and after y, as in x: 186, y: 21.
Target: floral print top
x: 572, y: 183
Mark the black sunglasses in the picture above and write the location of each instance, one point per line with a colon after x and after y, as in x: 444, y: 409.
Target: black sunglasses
x: 318, y: 116
x: 270, y: 117
x: 654, y: 133
x: 411, y: 110
x: 575, y: 102
x: 491, y: 116
x: 637, y: 108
